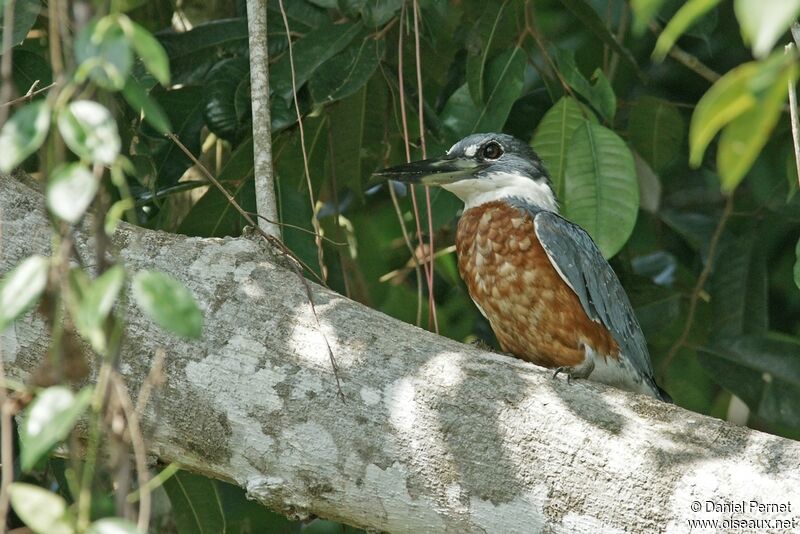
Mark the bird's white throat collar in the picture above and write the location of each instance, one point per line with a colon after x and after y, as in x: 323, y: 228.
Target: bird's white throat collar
x: 503, y: 185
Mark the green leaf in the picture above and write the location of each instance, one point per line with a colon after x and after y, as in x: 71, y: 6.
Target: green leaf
x: 139, y: 100
x: 346, y: 72
x: 70, y: 190
x: 23, y: 134
x: 731, y: 96
x: 764, y: 371
x: 656, y: 130
x: 600, y: 94
x: 554, y: 135
x: 480, y: 44
x: 48, y: 420
x: 104, y: 54
x: 152, y: 53
x: 192, y: 54
x: 28, y: 68
x: 310, y: 52
x: 112, y: 525
x: 739, y: 290
x: 683, y: 19
x: 184, y: 108
x: 25, y: 14
x: 503, y: 86
x: 764, y: 22
x: 601, y: 189
x: 196, y: 504
x: 356, y: 128
x: 378, y: 12
x: 90, y: 131
x: 643, y: 12
x: 43, y: 511
x: 228, y: 115
x: 167, y: 302
x: 589, y: 18
x: 91, y: 303
x: 743, y: 139
x: 21, y: 288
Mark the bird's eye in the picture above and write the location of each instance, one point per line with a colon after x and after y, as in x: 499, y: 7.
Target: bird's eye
x: 492, y: 150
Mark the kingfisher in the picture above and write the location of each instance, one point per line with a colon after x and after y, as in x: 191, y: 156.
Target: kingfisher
x: 540, y: 280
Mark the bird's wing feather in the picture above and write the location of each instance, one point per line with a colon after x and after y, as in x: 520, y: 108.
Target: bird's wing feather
x: 579, y: 262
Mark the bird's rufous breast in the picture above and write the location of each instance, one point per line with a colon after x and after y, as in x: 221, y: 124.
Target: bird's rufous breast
x: 533, y: 312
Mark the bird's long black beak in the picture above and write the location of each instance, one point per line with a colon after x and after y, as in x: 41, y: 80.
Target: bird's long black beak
x: 435, y: 171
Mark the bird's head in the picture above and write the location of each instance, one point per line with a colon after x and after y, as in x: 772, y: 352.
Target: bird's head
x: 482, y: 168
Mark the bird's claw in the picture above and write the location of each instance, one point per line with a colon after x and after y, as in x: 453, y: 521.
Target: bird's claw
x: 564, y: 369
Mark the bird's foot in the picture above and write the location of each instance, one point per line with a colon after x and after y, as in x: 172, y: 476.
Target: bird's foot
x: 482, y: 345
x: 575, y: 372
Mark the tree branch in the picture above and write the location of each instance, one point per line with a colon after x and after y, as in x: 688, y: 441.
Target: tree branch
x: 434, y: 435
x: 266, y: 205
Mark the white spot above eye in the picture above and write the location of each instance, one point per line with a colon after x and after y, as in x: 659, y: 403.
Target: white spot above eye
x: 471, y: 150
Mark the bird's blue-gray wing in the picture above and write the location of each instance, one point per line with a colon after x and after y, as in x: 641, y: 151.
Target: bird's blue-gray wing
x: 579, y: 262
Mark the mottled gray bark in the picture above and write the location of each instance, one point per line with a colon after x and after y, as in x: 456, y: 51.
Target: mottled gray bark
x: 433, y: 436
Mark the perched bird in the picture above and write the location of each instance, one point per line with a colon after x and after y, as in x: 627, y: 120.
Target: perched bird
x: 548, y: 293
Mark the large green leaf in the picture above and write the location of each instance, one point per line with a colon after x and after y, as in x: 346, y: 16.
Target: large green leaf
x: 356, y: 126
x: 656, y: 130
x: 90, y: 131
x: 23, y: 134
x: 683, y: 19
x: 167, y: 302
x: 739, y: 290
x: 29, y: 68
x: 227, y: 115
x: 184, y: 108
x: 43, y: 511
x: 25, y: 14
x: 743, y: 139
x: 503, y: 86
x: 196, y: 504
x: 739, y: 91
x: 21, y: 288
x: 601, y: 191
x: 147, y: 47
x: 553, y: 137
x: 589, y: 18
x: 192, y: 54
x: 599, y: 94
x: 310, y: 52
x: 764, y: 371
x: 346, y: 72
x: 765, y: 21
x: 48, y: 420
x: 481, y: 44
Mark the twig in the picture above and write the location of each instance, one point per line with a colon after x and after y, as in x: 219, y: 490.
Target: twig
x: 29, y: 94
x: 155, y: 378
x: 139, y: 451
x: 262, y: 133
x: 6, y: 81
x: 407, y: 144
x: 314, y: 220
x: 420, y: 109
x: 275, y: 242
x: 688, y: 60
x: 698, y: 286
